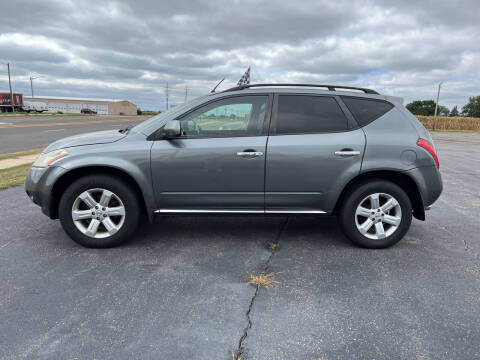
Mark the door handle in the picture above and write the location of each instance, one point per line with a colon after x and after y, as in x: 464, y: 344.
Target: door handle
x: 347, y: 153
x: 249, y: 154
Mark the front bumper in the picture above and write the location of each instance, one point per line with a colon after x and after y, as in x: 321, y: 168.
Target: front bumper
x: 39, y: 185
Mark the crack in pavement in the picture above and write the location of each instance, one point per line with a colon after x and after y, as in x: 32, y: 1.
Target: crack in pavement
x: 240, y: 351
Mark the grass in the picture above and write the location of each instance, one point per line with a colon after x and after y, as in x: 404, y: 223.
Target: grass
x: 265, y: 280
x: 13, y: 176
x: 273, y: 246
x: 16, y: 155
x: 447, y: 123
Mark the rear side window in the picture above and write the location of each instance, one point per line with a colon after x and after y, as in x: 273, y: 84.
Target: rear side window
x: 300, y: 114
x: 366, y: 110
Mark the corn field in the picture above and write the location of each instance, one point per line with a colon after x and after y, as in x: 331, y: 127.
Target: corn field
x: 450, y: 123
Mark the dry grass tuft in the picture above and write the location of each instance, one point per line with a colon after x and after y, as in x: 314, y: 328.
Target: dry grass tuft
x: 273, y: 246
x: 450, y: 123
x: 265, y: 280
x: 236, y: 356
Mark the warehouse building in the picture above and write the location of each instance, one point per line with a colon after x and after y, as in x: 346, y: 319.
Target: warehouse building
x: 74, y: 105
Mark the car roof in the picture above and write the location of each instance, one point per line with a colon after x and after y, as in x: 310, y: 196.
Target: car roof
x: 310, y: 89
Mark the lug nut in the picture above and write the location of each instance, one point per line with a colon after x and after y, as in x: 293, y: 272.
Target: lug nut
x: 103, y: 209
x: 98, y: 218
x: 96, y: 207
x: 93, y: 212
x: 104, y: 215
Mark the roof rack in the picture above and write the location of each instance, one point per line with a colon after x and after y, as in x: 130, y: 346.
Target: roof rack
x: 329, y: 87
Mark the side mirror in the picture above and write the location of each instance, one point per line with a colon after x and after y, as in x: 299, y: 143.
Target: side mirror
x: 171, y: 129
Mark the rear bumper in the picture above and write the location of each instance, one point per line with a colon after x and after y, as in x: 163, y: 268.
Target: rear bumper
x: 429, y: 182
x: 39, y: 184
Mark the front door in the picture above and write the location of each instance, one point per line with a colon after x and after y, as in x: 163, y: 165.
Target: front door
x: 313, y: 150
x: 218, y: 163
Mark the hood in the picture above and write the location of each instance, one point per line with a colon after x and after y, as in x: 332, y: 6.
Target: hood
x: 97, y: 137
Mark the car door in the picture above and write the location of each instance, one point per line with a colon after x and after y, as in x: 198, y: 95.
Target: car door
x: 313, y: 150
x: 218, y: 162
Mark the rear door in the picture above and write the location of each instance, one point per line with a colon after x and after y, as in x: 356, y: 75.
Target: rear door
x: 314, y: 148
x: 218, y: 163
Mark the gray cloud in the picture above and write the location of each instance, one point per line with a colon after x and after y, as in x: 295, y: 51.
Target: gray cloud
x: 129, y: 49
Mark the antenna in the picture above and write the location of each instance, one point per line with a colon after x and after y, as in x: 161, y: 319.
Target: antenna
x: 213, y: 90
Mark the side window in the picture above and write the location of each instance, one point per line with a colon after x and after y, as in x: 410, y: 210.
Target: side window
x: 234, y: 116
x: 300, y: 114
x: 366, y: 110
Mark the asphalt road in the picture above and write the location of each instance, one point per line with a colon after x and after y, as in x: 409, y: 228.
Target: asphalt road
x: 31, y: 132
x: 179, y: 289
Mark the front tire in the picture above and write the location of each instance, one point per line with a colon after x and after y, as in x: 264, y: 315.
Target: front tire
x: 376, y: 214
x: 99, y: 211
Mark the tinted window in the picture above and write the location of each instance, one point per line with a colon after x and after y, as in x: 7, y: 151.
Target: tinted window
x: 309, y: 114
x: 365, y: 110
x: 234, y: 116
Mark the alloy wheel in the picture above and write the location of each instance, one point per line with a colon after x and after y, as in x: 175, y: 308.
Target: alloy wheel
x: 378, y: 216
x: 98, y: 213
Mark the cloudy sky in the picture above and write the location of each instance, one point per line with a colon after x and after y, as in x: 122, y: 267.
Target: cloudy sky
x: 130, y: 49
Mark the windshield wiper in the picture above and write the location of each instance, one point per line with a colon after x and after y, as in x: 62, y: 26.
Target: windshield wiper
x: 125, y: 130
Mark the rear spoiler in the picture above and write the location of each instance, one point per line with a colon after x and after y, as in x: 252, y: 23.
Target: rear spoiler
x: 395, y: 100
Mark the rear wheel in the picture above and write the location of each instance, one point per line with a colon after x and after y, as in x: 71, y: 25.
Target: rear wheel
x: 376, y: 214
x: 99, y: 211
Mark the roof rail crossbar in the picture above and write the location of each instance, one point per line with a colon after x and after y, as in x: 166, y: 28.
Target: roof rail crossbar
x: 329, y: 87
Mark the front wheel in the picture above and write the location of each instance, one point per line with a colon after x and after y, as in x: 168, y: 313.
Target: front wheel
x: 376, y: 214
x: 99, y: 211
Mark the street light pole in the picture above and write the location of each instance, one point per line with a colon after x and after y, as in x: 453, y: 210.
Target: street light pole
x: 10, y: 85
x: 31, y: 85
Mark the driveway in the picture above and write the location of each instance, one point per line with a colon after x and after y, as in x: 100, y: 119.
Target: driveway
x: 180, y: 289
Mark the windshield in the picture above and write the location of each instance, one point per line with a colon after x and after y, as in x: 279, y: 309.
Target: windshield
x: 163, y: 115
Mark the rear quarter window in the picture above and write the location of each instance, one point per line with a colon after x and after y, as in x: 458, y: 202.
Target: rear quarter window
x: 303, y: 114
x: 366, y: 110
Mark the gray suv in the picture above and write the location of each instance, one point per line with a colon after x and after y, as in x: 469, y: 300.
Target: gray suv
x: 263, y: 149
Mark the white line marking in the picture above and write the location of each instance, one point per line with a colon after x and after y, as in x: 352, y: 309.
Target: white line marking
x: 54, y: 130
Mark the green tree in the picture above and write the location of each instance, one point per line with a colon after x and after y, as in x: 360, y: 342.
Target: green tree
x: 422, y: 107
x: 473, y: 107
x: 454, y: 111
x: 443, y: 110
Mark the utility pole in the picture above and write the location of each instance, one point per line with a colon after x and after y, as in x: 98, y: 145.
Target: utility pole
x: 186, y: 93
x: 10, y: 85
x: 166, y: 94
x: 436, y: 107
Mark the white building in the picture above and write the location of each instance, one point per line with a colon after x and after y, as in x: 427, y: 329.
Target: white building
x: 74, y: 105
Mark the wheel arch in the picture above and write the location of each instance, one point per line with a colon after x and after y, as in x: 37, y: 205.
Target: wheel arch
x: 66, y: 179
x: 399, y: 178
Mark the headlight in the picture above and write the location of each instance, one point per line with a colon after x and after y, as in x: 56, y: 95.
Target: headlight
x: 44, y: 160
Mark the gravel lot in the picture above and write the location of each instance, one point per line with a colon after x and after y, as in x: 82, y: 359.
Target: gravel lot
x: 180, y: 291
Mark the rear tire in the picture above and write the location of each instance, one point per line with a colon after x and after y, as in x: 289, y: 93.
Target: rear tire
x: 99, y: 211
x: 376, y: 214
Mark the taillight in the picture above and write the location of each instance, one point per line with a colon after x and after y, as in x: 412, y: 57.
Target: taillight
x: 429, y: 147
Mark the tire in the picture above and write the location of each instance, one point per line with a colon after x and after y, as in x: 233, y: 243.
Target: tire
x: 111, y: 226
x: 361, y: 226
